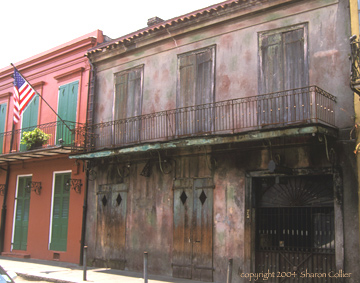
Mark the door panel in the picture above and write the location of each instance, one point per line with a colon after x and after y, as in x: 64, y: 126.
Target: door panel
x: 60, y: 215
x: 22, y: 214
x: 111, y: 226
x: 183, y: 218
x: 192, y: 235
x: 203, y: 224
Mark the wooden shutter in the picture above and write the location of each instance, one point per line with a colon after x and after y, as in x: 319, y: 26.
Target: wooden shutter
x: 283, y: 66
x: 128, y: 103
x: 67, y: 106
x: 30, y: 118
x: 196, y: 87
x: 295, y: 71
x: 271, y: 72
x: 60, y: 213
x: 2, y: 124
x: 22, y: 214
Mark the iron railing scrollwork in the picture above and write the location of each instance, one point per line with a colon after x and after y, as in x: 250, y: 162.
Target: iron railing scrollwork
x: 279, y: 109
x: 284, y: 108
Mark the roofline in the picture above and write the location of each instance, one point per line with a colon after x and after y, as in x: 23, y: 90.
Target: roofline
x: 165, y: 24
x: 93, y: 37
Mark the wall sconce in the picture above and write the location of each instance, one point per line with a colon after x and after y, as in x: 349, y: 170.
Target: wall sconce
x: 74, y: 184
x: 33, y: 186
x: 2, y: 189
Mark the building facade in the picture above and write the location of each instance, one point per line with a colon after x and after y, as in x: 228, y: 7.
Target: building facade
x: 224, y: 134
x: 42, y: 190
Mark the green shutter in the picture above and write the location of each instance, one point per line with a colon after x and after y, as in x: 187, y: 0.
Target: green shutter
x: 30, y: 118
x: 67, y: 107
x: 2, y: 124
x: 22, y: 214
x: 60, y: 216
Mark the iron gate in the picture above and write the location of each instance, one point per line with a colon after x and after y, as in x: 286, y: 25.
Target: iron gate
x: 295, y: 233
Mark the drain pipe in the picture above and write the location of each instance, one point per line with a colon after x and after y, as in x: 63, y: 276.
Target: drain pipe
x: 89, y: 120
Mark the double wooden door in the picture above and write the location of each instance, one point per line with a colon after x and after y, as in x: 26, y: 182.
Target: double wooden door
x: 193, y: 229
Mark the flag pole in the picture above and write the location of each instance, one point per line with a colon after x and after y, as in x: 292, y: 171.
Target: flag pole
x: 43, y: 99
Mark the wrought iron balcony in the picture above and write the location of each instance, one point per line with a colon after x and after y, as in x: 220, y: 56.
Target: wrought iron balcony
x: 308, y: 105
x: 65, y: 137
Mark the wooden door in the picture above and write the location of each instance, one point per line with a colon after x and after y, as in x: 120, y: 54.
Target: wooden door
x: 192, y: 235
x: 111, y: 226
x: 22, y: 214
x: 60, y: 213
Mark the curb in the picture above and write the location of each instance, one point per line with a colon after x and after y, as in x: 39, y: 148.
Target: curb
x: 41, y: 278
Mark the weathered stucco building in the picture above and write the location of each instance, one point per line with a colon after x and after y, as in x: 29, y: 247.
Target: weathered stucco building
x: 224, y: 134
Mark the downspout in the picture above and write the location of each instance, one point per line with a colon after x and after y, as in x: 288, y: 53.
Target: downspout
x: 89, y: 121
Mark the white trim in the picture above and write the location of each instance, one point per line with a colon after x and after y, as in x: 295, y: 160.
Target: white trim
x: 15, y: 207
x: 52, y: 201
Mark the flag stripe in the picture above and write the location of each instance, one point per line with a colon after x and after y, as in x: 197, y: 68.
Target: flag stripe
x: 23, y: 93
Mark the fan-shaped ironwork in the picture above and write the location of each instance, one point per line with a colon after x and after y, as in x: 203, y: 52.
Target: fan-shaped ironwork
x: 298, y: 192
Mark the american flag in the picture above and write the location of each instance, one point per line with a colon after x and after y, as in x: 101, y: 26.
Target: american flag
x: 23, y: 93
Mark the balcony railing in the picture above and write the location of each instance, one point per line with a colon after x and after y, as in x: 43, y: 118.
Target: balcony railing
x: 308, y: 105
x: 67, y: 134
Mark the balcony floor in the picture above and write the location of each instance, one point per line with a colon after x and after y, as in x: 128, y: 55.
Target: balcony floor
x: 302, y: 130
x: 36, y: 153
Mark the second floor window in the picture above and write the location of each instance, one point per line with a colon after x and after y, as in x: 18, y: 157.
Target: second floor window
x: 195, y: 87
x: 127, y: 104
x: 128, y: 93
x: 283, y: 59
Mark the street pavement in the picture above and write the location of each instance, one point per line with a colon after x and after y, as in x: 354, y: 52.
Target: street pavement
x: 52, y: 271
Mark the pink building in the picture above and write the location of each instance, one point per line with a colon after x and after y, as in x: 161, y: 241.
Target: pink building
x: 42, y: 191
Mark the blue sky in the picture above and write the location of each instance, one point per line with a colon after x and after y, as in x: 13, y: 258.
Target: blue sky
x: 32, y: 27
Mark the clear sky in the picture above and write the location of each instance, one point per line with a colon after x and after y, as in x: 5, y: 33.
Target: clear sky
x: 30, y: 27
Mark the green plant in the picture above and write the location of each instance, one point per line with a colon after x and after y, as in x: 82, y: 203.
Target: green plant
x: 34, y: 138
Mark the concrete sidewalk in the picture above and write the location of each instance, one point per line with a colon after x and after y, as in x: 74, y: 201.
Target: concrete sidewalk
x: 62, y: 272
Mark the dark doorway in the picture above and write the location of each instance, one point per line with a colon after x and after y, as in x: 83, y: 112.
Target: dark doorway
x: 295, y: 231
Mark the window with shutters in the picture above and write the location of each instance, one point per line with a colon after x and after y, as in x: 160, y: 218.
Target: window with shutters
x: 283, y: 59
x: 67, y: 106
x: 195, y: 88
x: 283, y: 66
x: 128, y: 103
x: 60, y: 212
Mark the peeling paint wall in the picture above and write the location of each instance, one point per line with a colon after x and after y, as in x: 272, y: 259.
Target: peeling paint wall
x: 150, y: 203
